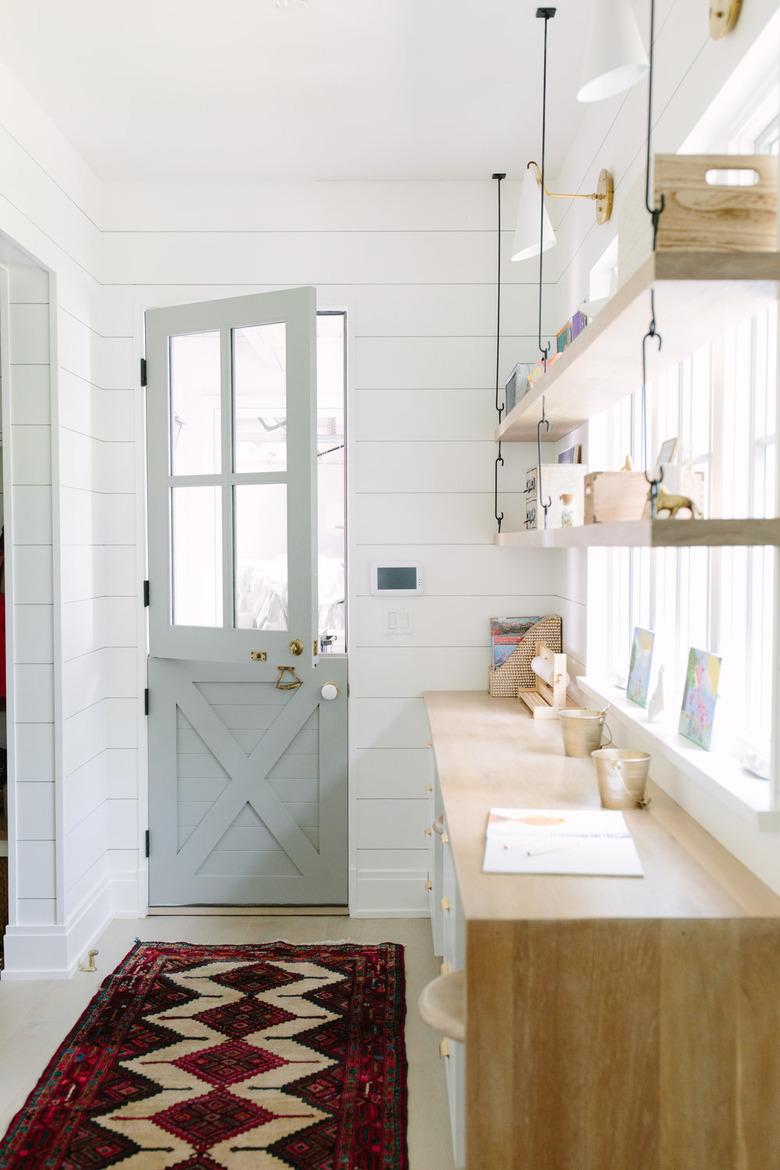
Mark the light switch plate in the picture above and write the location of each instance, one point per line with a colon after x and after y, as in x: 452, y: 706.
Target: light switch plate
x: 398, y: 623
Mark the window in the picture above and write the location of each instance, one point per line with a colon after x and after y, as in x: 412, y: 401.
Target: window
x: 721, y: 403
x: 331, y: 479
x: 258, y: 510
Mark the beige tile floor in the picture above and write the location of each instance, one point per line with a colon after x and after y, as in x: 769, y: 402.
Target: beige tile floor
x: 35, y: 1017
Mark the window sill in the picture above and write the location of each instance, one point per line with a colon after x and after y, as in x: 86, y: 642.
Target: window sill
x: 717, y: 773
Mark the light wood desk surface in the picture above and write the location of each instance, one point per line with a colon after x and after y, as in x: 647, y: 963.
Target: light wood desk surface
x: 489, y: 753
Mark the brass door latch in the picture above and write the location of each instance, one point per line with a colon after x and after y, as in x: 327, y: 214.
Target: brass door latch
x: 258, y: 655
x: 285, y: 684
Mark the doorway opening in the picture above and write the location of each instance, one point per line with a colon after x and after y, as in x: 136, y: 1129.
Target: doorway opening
x: 247, y: 673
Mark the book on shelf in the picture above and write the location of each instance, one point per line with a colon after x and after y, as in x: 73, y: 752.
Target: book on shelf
x: 506, y: 634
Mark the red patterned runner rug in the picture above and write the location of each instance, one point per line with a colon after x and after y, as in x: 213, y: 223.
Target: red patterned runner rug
x: 228, y: 1058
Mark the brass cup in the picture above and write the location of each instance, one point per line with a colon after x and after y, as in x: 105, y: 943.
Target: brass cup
x: 622, y: 776
x: 582, y: 731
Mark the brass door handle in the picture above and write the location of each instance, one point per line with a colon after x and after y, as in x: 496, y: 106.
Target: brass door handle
x: 296, y: 647
x: 292, y: 684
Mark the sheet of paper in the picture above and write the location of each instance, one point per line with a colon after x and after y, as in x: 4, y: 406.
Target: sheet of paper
x: 560, y: 841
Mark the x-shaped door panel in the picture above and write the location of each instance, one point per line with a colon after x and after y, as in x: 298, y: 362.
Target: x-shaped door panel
x: 176, y: 875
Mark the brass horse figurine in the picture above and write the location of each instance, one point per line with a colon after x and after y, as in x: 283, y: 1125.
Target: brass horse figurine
x: 672, y: 504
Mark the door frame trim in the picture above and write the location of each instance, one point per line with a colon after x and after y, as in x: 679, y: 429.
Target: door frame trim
x: 131, y: 898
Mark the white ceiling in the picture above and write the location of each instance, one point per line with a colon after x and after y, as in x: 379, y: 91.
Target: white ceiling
x: 341, y: 89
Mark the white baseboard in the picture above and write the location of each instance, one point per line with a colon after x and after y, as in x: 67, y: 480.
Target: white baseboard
x: 54, y: 951
x: 125, y: 896
x: 388, y: 894
x: 389, y: 914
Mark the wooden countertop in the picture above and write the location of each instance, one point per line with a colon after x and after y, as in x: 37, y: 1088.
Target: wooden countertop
x: 489, y: 753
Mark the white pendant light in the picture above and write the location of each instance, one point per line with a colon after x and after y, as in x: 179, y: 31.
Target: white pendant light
x: 526, y: 243
x: 615, y: 57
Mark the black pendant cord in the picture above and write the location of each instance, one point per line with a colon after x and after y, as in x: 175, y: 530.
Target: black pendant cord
x: 654, y: 478
x: 498, y: 176
x: 500, y: 407
x: 653, y: 211
x: 545, y: 14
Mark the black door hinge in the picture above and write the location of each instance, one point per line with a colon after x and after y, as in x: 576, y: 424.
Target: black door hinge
x: 146, y: 594
x: 143, y: 371
x: 146, y: 701
x: 146, y: 843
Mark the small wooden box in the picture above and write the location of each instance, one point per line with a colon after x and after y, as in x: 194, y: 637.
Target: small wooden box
x: 614, y: 495
x: 623, y: 495
x: 716, y: 217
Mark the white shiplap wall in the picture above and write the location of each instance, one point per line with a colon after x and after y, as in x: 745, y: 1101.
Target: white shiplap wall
x: 99, y: 591
x: 77, y: 739
x: 414, y: 266
x: 27, y: 446
x: 413, y: 263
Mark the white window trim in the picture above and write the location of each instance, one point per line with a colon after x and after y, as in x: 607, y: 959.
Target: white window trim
x: 715, y: 774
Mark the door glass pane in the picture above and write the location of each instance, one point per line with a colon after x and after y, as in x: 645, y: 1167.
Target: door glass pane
x: 261, y: 556
x: 331, y: 511
x: 195, y: 404
x: 196, y: 556
x: 260, y: 398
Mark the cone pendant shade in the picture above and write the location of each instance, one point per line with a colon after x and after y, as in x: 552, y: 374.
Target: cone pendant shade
x: 615, y: 56
x: 526, y: 243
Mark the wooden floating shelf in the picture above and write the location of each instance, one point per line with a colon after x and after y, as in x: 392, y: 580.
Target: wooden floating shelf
x: 442, y: 1005
x: 698, y: 295
x: 649, y: 534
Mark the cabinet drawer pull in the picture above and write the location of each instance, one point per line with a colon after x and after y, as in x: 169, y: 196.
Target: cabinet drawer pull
x: 429, y: 885
x: 438, y: 825
x: 428, y: 831
x: 429, y: 788
x: 445, y: 903
x: 445, y: 839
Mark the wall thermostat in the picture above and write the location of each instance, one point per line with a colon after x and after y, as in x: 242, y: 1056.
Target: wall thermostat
x: 396, y: 578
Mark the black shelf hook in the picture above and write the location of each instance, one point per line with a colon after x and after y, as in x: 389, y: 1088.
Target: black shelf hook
x: 654, y: 478
x: 545, y: 14
x: 500, y: 406
x: 544, y: 421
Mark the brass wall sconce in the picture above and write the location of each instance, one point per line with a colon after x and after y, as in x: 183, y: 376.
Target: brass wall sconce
x: 724, y: 15
x: 603, y: 196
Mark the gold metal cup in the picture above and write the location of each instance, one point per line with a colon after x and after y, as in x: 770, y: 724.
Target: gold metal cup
x: 582, y: 731
x: 622, y: 776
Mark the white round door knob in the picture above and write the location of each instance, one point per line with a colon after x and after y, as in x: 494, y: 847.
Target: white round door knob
x: 329, y: 692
